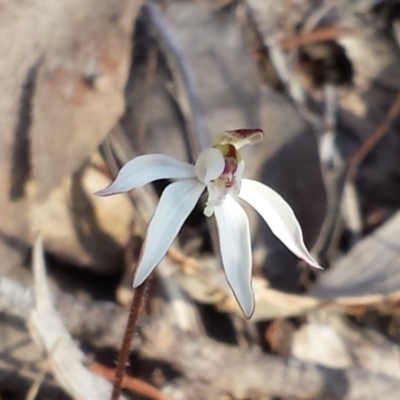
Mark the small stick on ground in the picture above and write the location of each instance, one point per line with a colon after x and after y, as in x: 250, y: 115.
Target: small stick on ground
x: 128, y: 382
x: 374, y: 139
x: 316, y: 36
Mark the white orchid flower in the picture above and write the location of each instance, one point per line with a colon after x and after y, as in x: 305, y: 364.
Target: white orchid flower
x: 218, y: 170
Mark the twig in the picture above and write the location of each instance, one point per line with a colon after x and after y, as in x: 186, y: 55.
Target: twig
x: 317, y: 36
x: 368, y: 145
x: 349, y: 199
x: 340, y: 188
x: 133, y: 384
x: 185, y: 262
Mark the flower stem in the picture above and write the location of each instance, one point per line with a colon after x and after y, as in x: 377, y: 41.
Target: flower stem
x: 127, y: 340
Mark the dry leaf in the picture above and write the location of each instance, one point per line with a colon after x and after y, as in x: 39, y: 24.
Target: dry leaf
x: 65, y: 358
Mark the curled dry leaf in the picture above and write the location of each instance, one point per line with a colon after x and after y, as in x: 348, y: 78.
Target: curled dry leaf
x: 65, y: 358
x: 369, y: 274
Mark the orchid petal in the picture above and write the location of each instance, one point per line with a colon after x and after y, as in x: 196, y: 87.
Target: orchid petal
x: 145, y: 169
x: 209, y: 165
x: 279, y: 216
x: 234, y: 239
x: 175, y: 205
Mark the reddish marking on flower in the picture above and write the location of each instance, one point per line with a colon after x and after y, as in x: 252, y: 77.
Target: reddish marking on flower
x: 232, y: 152
x: 230, y: 167
x: 244, y: 133
x: 229, y: 183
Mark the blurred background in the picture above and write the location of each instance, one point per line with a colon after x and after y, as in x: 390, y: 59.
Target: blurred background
x: 88, y: 85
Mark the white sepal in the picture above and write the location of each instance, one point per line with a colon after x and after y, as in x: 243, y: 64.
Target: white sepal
x: 235, y: 244
x: 175, y: 205
x: 145, y: 169
x: 279, y: 216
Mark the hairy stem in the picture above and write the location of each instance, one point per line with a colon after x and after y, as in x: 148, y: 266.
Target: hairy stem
x: 127, y: 340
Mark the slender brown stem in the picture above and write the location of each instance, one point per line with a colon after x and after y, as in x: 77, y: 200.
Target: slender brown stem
x: 127, y: 340
x: 374, y: 138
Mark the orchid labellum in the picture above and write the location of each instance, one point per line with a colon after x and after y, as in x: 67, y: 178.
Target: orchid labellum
x: 218, y: 170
